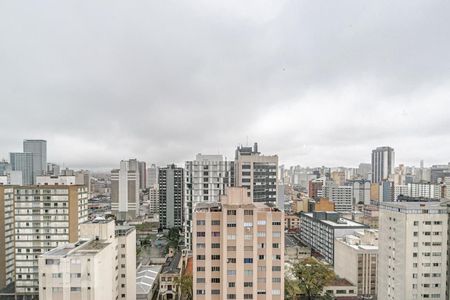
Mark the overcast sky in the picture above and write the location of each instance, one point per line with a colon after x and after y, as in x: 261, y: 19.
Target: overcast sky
x: 316, y: 82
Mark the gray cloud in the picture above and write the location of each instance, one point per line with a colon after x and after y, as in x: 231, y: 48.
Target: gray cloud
x: 318, y: 82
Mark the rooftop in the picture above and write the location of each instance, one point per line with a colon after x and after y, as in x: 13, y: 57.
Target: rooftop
x: 415, y: 207
x: 145, y: 278
x: 81, y: 247
x: 333, y: 221
x: 171, y: 264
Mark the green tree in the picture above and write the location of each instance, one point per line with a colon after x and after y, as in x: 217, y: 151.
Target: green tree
x: 312, y: 276
x: 291, y: 288
x: 173, y: 239
x: 184, y: 282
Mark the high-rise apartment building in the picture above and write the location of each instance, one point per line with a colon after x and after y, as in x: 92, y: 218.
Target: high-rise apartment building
x: 45, y: 217
x: 153, y: 196
x: 206, y: 178
x: 412, y: 251
x: 171, y: 196
x: 342, y: 196
x: 238, y: 249
x: 125, y: 190
x: 361, y: 191
x: 23, y: 162
x: 258, y: 173
x: 6, y: 236
x: 38, y: 148
x: 383, y: 161
x: 152, y: 176
x: 356, y: 259
x: 91, y: 268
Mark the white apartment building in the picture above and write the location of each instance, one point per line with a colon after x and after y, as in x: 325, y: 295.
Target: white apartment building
x: 45, y: 217
x: 361, y: 192
x: 238, y: 249
x: 412, y: 251
x: 342, y: 196
x: 153, y: 196
x: 125, y: 190
x: 319, y: 230
x: 95, y: 267
x: 206, y: 178
x: 356, y: 258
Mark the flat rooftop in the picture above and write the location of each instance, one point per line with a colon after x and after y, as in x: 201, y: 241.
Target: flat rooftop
x: 81, y: 247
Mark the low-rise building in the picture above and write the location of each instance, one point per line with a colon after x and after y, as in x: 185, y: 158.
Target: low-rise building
x: 292, y: 222
x: 170, y: 272
x: 356, y: 258
x: 318, y: 230
x: 322, y: 204
x: 341, y: 288
x: 147, y: 281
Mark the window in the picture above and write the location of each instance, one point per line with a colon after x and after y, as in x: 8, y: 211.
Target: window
x: 248, y: 260
x: 276, y: 279
x: 75, y: 275
x: 231, y: 296
x: 276, y: 292
x: 248, y: 237
x: 215, y: 245
x: 231, y: 212
x: 57, y: 275
x: 248, y: 296
x: 248, y: 212
x: 231, y: 284
x: 231, y: 225
x: 248, y: 284
x: 248, y: 224
x: 215, y: 257
x: 275, y: 245
x: 231, y: 272
x: 260, y: 234
x: 215, y: 269
x: 276, y: 268
x: 248, y: 272
x: 200, y: 269
x: 215, y: 280
x: 276, y: 223
x: 231, y: 237
x: 261, y: 257
x: 261, y: 222
x: 200, y: 280
x: 215, y: 222
x: 200, y: 257
x: 75, y: 289
x: 215, y: 292
x: 216, y: 233
x: 231, y: 260
x: 201, y: 222
x: 231, y: 248
x: 200, y: 234
x: 201, y: 245
x: 200, y: 292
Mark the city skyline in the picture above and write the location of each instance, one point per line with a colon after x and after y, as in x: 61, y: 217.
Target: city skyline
x: 314, y: 82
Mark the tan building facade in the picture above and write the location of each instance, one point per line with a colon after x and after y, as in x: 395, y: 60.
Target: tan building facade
x: 45, y: 217
x: 238, y: 249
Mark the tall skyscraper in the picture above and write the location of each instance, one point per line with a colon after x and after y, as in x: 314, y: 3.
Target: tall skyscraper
x: 39, y: 150
x: 238, y: 249
x: 23, y: 162
x: 125, y: 190
x: 45, y: 217
x: 171, y: 196
x: 142, y: 168
x: 152, y: 176
x: 206, y: 179
x: 383, y: 162
x: 412, y: 251
x: 257, y: 173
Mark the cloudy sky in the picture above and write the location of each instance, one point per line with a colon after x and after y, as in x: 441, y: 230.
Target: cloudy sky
x: 316, y: 82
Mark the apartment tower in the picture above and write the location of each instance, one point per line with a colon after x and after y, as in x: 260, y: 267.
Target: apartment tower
x: 238, y: 248
x: 125, y: 190
x: 412, y: 251
x: 171, y: 196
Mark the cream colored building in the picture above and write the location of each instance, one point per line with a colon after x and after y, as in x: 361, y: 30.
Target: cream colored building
x: 412, y: 251
x: 46, y: 217
x: 238, y: 249
x: 6, y: 236
x: 355, y: 259
x: 91, y: 268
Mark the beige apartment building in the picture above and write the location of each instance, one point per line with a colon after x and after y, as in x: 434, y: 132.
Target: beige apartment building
x: 356, y: 259
x: 238, y: 249
x: 6, y: 236
x: 413, y: 250
x: 46, y: 217
x: 98, y: 266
